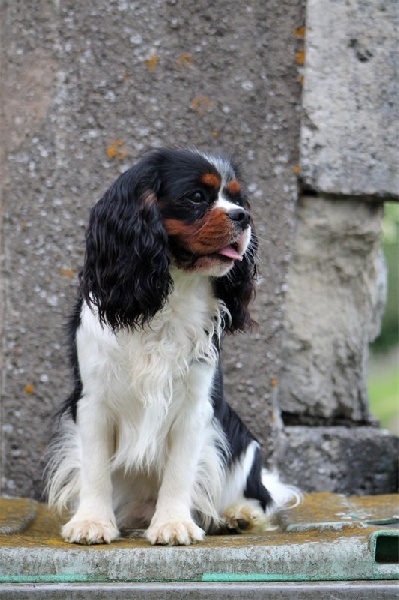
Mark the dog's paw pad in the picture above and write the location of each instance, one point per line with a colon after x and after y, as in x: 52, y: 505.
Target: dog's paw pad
x: 89, y: 531
x: 244, y: 517
x: 175, y: 533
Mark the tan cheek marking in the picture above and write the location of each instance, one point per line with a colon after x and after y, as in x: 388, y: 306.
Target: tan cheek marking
x: 234, y: 187
x: 174, y: 227
x: 215, y: 231
x: 207, y: 235
x: 211, y: 179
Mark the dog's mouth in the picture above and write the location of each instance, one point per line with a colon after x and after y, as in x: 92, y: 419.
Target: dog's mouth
x: 231, y: 252
x: 235, y: 250
x: 223, y: 257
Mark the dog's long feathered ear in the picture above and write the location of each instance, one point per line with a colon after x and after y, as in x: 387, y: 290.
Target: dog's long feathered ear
x: 126, y: 269
x: 237, y: 289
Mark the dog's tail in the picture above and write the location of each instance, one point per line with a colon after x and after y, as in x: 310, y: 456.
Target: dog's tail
x: 284, y: 496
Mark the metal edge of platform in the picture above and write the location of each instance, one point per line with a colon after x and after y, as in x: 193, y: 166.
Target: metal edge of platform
x: 360, y: 590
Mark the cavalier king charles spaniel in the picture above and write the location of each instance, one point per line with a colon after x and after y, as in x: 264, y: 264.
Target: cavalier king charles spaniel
x: 147, y: 439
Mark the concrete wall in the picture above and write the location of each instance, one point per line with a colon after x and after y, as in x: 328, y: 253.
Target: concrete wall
x: 336, y: 278
x: 88, y: 86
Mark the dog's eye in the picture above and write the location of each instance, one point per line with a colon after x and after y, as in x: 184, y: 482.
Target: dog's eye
x: 197, y: 196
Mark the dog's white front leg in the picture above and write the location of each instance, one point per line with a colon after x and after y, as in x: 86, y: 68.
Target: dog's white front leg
x: 172, y: 522
x: 94, y: 521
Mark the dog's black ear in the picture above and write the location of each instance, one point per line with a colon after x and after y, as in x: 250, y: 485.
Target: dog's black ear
x: 126, y: 270
x: 237, y: 289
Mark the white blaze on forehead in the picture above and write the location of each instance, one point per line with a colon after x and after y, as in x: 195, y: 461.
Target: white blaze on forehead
x: 222, y: 202
x: 222, y: 165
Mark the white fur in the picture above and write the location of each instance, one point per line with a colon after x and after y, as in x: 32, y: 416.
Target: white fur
x: 234, y: 506
x: 145, y: 433
x: 284, y: 495
x: 238, y: 472
x: 222, y: 165
x: 143, y: 450
x: 228, y: 206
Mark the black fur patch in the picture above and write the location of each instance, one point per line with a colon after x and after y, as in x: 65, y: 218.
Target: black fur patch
x: 239, y: 437
x: 71, y: 403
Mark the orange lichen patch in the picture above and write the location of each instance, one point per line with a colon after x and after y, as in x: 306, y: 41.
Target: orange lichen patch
x: 234, y: 187
x: 200, y: 104
x: 211, y: 179
x: 152, y: 62
x: 117, y: 150
x: 185, y: 60
x: 301, y: 79
x: 65, y: 272
x: 113, y: 148
x: 274, y: 382
x: 297, y: 169
x: 215, y: 134
x: 123, y: 152
x: 300, y: 32
x: 29, y: 388
x: 300, y: 57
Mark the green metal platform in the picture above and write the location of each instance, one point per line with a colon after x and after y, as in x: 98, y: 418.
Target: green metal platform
x: 345, y: 547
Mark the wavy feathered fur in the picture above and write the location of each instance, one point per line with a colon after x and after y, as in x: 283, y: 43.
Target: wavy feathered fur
x: 147, y: 438
x: 126, y: 270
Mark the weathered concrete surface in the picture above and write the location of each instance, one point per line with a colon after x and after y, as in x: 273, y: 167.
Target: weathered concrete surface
x: 383, y: 590
x: 334, y: 305
x: 340, y: 459
x: 349, y: 132
x: 341, y: 543
x: 16, y: 515
x: 88, y: 86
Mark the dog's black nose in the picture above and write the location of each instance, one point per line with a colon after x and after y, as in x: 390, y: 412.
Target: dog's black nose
x: 240, y: 216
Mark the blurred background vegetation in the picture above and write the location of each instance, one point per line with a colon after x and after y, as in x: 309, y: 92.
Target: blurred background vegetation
x: 383, y: 381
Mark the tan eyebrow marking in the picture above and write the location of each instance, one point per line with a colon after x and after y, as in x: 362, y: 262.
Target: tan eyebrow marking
x: 211, y: 179
x: 234, y: 187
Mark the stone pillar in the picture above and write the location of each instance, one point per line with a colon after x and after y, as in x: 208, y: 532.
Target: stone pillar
x: 336, y: 280
x: 87, y: 88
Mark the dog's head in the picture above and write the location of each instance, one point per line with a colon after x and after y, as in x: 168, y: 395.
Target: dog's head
x: 174, y: 207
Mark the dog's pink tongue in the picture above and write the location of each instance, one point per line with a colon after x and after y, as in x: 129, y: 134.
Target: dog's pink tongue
x: 230, y: 253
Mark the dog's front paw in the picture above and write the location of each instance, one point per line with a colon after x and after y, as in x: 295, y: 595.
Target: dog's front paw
x: 89, y: 531
x: 245, y: 517
x: 175, y: 533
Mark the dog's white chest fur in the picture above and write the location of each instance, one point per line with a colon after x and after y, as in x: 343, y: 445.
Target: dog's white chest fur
x: 147, y: 438
x: 150, y: 376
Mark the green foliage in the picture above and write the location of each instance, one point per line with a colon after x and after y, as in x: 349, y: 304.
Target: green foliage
x: 390, y: 225
x: 383, y: 388
x: 383, y: 385
x: 390, y: 324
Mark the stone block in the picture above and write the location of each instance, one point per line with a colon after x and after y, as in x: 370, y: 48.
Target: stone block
x: 349, y: 132
x: 345, y: 460
x: 87, y: 88
x: 334, y: 304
